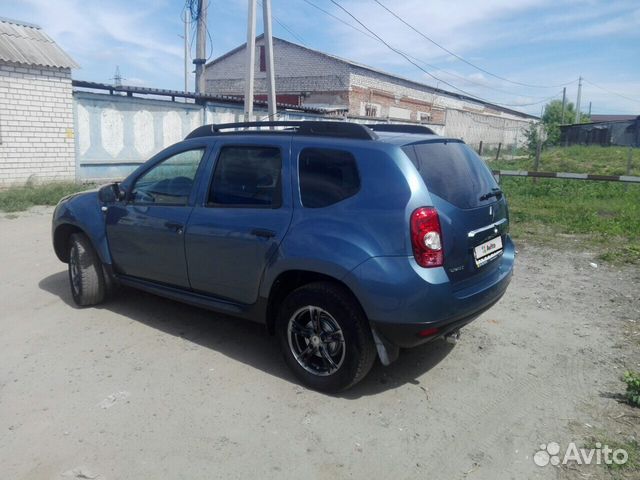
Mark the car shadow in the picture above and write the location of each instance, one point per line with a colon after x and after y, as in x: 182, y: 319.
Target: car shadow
x: 246, y: 341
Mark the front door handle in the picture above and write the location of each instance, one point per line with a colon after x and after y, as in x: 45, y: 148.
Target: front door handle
x: 176, y: 227
x: 263, y: 233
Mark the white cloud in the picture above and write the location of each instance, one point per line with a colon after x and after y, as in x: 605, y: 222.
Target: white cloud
x: 101, y: 34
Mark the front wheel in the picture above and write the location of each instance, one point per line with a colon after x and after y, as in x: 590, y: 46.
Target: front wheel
x: 325, y: 337
x: 85, y: 272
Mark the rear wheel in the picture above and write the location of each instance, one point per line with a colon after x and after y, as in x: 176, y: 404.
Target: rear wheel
x: 325, y: 337
x: 86, y: 275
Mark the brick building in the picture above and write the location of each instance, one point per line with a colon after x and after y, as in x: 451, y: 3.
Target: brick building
x: 36, y: 106
x: 311, y: 78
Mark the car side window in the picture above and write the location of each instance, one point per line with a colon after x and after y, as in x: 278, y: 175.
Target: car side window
x: 327, y: 177
x: 170, y: 182
x: 247, y: 176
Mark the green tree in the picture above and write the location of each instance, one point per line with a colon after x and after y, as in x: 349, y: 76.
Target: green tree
x: 552, y: 118
x: 531, y: 139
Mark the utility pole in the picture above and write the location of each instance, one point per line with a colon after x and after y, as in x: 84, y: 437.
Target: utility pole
x: 201, y: 46
x: 117, y: 78
x: 268, y: 42
x: 589, y: 109
x: 186, y: 54
x: 564, y: 104
x: 577, y: 119
x: 251, y: 58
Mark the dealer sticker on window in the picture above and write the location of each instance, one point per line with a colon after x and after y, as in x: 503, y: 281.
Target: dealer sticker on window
x: 488, y: 251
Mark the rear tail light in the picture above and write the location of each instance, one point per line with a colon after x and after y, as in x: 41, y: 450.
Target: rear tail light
x: 426, y: 237
x: 428, y: 332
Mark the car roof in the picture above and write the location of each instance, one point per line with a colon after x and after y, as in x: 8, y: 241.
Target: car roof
x: 332, y: 131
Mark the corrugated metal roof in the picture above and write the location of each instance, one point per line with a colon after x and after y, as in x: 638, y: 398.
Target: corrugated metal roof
x: 210, y: 98
x: 27, y: 44
x: 611, y: 118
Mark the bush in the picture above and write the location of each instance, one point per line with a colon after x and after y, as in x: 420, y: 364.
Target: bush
x: 632, y: 379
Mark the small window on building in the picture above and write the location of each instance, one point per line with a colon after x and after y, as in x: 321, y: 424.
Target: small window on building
x: 424, y: 117
x: 370, y: 111
x: 327, y: 176
x: 263, y: 59
x: 247, y: 177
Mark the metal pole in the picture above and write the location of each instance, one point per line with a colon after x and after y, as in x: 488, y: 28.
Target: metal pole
x: 268, y: 41
x: 201, y: 46
x: 564, y: 104
x: 577, y: 119
x: 186, y: 54
x: 251, y: 58
x: 589, y: 109
x: 629, y: 161
x: 536, y: 163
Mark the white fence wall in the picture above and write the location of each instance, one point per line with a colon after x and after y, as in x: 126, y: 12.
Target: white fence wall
x: 115, y: 133
x: 474, y: 128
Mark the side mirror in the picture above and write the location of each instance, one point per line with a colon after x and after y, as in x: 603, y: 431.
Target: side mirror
x: 110, y: 193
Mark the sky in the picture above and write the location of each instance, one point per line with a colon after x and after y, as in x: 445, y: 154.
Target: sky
x: 526, y: 50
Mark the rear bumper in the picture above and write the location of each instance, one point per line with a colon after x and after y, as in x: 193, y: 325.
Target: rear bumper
x: 402, y: 299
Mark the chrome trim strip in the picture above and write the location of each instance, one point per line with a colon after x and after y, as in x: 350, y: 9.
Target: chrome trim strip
x: 473, y: 233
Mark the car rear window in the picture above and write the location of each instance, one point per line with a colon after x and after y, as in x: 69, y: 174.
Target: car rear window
x: 453, y: 172
x: 327, y: 176
x: 247, y: 177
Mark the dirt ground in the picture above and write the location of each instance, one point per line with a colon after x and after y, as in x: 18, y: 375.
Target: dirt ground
x: 144, y: 387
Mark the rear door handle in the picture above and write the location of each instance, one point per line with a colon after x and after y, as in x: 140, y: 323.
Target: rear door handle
x: 176, y: 227
x: 263, y: 232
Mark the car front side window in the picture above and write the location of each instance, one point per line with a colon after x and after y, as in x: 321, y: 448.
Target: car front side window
x: 170, y: 182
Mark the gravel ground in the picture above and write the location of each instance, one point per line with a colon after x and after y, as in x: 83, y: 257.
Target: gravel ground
x: 143, y: 387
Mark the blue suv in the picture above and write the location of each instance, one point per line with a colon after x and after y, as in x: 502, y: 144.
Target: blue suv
x: 347, y: 241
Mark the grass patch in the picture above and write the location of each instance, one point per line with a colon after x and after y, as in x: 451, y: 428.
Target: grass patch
x: 632, y: 465
x: 604, y: 215
x: 577, y: 159
x: 16, y: 199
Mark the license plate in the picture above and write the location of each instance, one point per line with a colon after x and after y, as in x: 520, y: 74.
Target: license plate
x: 487, y: 251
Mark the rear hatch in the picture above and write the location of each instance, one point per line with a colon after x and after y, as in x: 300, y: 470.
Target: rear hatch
x: 473, y: 212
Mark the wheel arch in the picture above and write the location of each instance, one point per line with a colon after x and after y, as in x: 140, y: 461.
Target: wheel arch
x: 287, y: 281
x: 62, y: 234
x: 61, y: 237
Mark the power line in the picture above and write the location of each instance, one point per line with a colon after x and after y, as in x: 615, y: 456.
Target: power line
x: 610, y: 91
x: 463, y: 59
x: 406, y: 57
x: 287, y: 28
x: 340, y: 20
x: 291, y: 32
x: 367, y: 34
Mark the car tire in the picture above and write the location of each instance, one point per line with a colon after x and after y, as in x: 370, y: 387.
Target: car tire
x: 325, y: 337
x: 86, y: 276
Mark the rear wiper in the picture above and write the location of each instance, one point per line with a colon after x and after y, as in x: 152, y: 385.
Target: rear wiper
x: 495, y: 192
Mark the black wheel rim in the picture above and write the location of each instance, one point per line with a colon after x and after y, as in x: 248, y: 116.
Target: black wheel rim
x: 316, y: 341
x: 74, y: 269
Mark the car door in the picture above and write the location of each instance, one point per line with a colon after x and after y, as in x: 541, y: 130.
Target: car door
x: 146, y: 231
x: 238, y: 224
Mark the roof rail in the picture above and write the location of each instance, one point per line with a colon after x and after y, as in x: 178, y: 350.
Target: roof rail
x: 400, y: 128
x: 315, y: 128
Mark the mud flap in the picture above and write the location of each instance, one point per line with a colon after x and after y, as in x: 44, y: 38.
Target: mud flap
x: 387, y: 352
